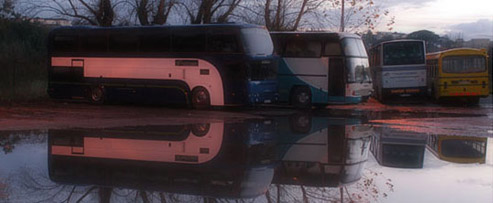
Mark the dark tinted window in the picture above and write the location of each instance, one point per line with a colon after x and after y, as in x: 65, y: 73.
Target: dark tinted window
x: 155, y: 42
x: 303, y: 48
x: 189, y: 40
x: 403, y: 53
x: 332, y: 49
x: 94, y: 42
x: 222, y: 42
x: 403, y: 156
x: 123, y: 43
x: 65, y: 43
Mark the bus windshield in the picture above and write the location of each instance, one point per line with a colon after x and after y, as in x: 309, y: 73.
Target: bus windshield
x: 358, y: 70
x: 257, y: 41
x: 463, y: 64
x: 403, y: 53
x: 354, y: 47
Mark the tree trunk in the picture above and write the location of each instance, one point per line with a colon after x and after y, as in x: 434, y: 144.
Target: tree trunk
x: 142, y: 12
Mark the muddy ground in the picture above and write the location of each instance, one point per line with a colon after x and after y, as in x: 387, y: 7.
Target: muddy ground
x: 421, y: 117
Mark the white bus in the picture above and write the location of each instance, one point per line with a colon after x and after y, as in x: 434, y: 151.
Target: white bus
x: 398, y: 69
x: 321, y: 68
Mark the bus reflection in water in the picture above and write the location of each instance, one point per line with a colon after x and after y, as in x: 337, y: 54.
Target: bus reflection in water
x: 321, y: 151
x: 458, y: 149
x: 399, y: 149
x: 212, y: 159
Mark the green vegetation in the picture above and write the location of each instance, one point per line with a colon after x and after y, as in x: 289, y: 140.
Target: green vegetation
x: 23, y: 71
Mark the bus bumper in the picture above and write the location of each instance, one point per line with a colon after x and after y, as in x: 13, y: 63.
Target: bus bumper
x: 262, y: 92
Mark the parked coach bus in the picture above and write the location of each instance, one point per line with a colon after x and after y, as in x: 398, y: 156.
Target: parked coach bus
x: 321, y: 68
x: 458, y: 74
x: 201, y: 65
x: 398, y: 69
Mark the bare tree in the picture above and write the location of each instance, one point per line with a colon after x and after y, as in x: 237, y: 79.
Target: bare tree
x: 278, y: 14
x: 153, y: 11
x: 94, y: 12
x: 209, y: 11
x: 353, y: 15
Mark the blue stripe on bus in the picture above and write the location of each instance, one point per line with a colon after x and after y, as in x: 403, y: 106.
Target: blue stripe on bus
x: 287, y: 80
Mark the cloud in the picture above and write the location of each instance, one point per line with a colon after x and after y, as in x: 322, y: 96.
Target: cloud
x: 482, y: 28
x: 406, y: 4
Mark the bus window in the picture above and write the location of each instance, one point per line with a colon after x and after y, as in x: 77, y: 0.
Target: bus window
x: 332, y: 49
x: 151, y: 42
x: 464, y: 64
x: 403, y: 53
x: 123, y: 43
x: 188, y: 40
x: 257, y: 41
x: 94, y: 43
x: 223, y: 43
x: 302, y: 48
x: 65, y: 43
x: 354, y: 47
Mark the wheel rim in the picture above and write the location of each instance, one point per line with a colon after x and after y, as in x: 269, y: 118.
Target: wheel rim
x: 303, y: 121
x: 201, y: 97
x: 303, y: 97
x: 97, y: 94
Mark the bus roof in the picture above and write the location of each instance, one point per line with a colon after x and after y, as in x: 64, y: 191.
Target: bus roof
x: 341, y: 35
x: 84, y: 27
x: 397, y: 41
x: 456, y: 52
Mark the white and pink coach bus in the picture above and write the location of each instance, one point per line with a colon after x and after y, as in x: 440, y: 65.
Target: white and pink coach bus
x: 198, y: 65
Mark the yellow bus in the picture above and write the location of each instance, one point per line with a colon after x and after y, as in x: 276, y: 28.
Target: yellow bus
x: 458, y: 74
x: 458, y: 149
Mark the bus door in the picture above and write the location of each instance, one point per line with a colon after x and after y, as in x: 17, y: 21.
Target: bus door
x: 337, y: 86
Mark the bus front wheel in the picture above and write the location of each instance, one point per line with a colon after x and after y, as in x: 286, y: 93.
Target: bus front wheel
x: 97, y: 95
x: 200, y: 98
x: 301, y: 97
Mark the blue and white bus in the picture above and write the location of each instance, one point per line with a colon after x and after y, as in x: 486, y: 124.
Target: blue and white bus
x: 322, y: 68
x: 398, y: 69
x: 200, y: 65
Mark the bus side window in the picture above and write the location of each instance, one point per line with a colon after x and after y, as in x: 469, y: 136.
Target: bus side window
x: 222, y: 43
x: 123, y: 43
x: 332, y: 49
x: 188, y: 40
x: 155, y: 42
x: 94, y: 43
x: 65, y: 43
x: 303, y: 48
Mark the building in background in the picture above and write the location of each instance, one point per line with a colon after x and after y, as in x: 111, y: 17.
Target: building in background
x: 51, y: 21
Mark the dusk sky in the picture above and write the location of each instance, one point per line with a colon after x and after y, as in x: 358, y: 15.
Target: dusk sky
x: 472, y: 18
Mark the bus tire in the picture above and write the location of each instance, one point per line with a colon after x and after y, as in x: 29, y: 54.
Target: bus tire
x: 201, y: 130
x: 300, y: 123
x: 201, y: 98
x: 97, y: 95
x: 301, y: 97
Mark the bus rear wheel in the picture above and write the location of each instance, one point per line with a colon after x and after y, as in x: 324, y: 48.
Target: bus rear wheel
x: 97, y: 95
x: 301, y: 97
x: 200, y: 98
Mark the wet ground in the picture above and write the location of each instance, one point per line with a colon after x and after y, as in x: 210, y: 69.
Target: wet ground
x: 57, y: 151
